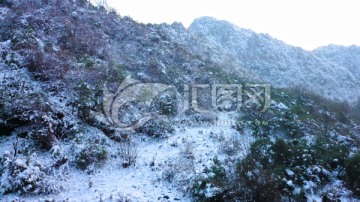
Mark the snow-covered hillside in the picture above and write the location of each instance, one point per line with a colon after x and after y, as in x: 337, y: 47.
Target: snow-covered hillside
x: 275, y: 62
x: 164, y: 169
x: 98, y: 107
x: 348, y: 57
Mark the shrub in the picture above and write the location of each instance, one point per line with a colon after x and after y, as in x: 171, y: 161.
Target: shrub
x: 260, y: 152
x: 274, y: 121
x: 167, y: 103
x: 330, y: 154
x: 31, y: 115
x: 128, y: 152
x: 276, y: 169
x: 292, y: 153
x: 89, y: 98
x: 26, y: 176
x: 86, y: 61
x: 255, y: 184
x: 353, y: 173
x: 210, y: 186
x: 157, y: 127
x: 91, y: 154
x: 116, y: 73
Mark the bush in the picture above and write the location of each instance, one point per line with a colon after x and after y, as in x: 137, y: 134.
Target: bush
x: 277, y: 169
x: 232, y: 146
x: 29, y: 112
x: 157, y: 127
x: 274, y: 121
x: 26, y: 176
x: 86, y: 61
x: 353, y: 173
x: 211, y: 187
x: 330, y: 154
x: 89, y: 98
x: 168, y: 105
x: 128, y: 152
x: 90, y: 155
x: 292, y: 153
x: 32, y: 116
x: 255, y: 184
x: 116, y: 73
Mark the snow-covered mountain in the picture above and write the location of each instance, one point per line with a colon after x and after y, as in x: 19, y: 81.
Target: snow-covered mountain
x: 73, y: 75
x: 348, y: 57
x: 278, y: 63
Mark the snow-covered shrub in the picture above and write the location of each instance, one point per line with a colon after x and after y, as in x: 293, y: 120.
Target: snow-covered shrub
x: 116, y: 73
x: 128, y: 152
x: 330, y: 153
x: 254, y: 121
x: 295, y: 161
x: 353, y: 173
x: 45, y: 67
x: 336, y: 191
x: 86, y: 61
x: 169, y: 174
x: 157, y: 127
x: 254, y: 180
x: 26, y: 176
x: 89, y: 98
x: 29, y: 113
x: 5, y: 129
x: 42, y: 124
x: 274, y: 121
x: 285, y: 168
x: 91, y: 154
x: 167, y: 103
x: 210, y: 184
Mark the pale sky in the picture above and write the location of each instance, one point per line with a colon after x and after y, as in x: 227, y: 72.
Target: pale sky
x: 304, y: 23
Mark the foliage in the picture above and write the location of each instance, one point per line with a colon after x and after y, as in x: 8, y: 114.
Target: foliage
x: 87, y: 61
x: 116, y: 73
x: 91, y: 154
x: 88, y: 99
x: 276, y: 169
x: 330, y: 153
x: 28, y: 113
x: 167, y: 103
x: 157, y: 127
x: 210, y: 185
x: 26, y: 176
x: 353, y: 173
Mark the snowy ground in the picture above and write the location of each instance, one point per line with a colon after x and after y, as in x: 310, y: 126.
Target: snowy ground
x: 163, y: 171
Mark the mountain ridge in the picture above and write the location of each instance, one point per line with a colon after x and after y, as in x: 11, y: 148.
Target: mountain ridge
x: 276, y: 62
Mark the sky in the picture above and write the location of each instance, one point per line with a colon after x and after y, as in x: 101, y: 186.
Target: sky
x: 304, y: 23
